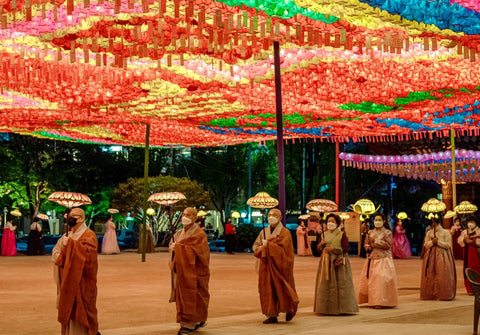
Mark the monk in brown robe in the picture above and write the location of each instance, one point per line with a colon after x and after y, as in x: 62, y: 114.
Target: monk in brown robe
x: 75, y: 257
x: 190, y: 258
x: 276, y: 285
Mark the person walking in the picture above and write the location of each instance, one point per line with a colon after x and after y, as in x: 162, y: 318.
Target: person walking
x: 229, y: 237
x: 276, y: 285
x: 36, y: 245
x: 109, y: 242
x: 76, y: 265
x: 9, y: 243
x: 378, y: 279
x: 334, y: 291
x: 190, y: 273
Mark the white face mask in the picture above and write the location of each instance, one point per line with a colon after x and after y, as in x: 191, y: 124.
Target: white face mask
x: 378, y: 223
x: 471, y: 225
x: 272, y: 220
x: 186, y: 221
x: 331, y: 225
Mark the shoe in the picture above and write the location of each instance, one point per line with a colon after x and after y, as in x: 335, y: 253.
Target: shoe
x: 289, y: 317
x: 184, y: 331
x: 200, y: 325
x: 272, y: 319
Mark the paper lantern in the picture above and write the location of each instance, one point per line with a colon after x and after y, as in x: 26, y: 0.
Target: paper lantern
x: 465, y: 207
x: 166, y: 198
x: 262, y: 200
x: 322, y: 205
x: 433, y: 205
x: 69, y: 199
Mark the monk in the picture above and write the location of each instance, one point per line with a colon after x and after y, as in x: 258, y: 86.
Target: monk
x: 276, y: 285
x: 190, y: 258
x: 75, y: 257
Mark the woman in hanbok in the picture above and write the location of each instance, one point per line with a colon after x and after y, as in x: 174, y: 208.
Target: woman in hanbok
x: 456, y: 231
x: 470, y: 241
x: 303, y: 243
x: 109, y: 242
x: 439, y: 277
x: 9, y: 244
x: 36, y: 245
x: 401, y: 245
x: 334, y: 291
x: 378, y: 280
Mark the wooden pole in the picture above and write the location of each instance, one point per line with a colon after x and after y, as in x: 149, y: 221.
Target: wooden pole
x: 145, y: 192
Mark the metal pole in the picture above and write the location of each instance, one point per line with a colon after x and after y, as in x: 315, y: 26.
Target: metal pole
x: 337, y: 174
x: 303, y: 177
x: 280, y: 154
x: 145, y: 192
x: 454, y: 169
x: 249, y: 181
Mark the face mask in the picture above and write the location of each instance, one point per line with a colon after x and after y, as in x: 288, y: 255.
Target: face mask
x: 331, y: 225
x: 471, y: 225
x: 272, y: 220
x: 378, y: 224
x: 71, y: 221
x: 186, y: 221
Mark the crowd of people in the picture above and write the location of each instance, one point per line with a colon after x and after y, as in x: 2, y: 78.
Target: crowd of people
x: 75, y: 260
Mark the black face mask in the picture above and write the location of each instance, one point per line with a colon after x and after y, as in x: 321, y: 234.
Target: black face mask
x: 71, y: 221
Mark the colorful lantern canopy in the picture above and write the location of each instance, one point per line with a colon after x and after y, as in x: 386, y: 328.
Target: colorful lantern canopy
x: 465, y: 207
x: 262, y: 200
x: 322, y: 205
x: 69, y: 199
x: 433, y: 205
x: 166, y: 198
x: 113, y: 211
x: 200, y: 72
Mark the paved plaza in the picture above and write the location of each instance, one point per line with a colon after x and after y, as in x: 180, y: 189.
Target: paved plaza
x: 133, y: 299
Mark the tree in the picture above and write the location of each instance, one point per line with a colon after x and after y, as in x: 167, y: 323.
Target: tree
x: 127, y: 197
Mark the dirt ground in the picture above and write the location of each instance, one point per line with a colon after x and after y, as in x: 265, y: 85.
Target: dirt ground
x: 133, y: 299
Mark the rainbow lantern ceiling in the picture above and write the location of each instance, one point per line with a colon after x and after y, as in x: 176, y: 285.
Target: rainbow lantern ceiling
x: 201, y: 72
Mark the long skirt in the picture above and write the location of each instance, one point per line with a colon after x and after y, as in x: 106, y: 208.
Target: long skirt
x: 439, y: 277
x: 9, y: 244
x: 378, y: 283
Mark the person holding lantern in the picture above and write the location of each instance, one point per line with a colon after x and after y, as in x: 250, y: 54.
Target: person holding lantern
x: 378, y: 280
x: 401, y: 246
x: 76, y: 264
x: 190, y: 273
x: 9, y: 244
x: 276, y: 285
x: 109, y: 242
x: 439, y: 278
x: 334, y: 291
x: 470, y: 241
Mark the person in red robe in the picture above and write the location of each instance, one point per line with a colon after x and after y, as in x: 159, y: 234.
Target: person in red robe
x: 274, y: 249
x: 190, y: 259
x: 469, y: 239
x: 75, y: 257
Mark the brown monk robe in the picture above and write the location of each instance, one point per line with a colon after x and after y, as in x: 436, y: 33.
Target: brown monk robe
x: 190, y: 258
x: 276, y: 285
x: 75, y: 258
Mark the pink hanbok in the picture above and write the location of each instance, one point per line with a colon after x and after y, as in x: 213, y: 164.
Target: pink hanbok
x: 401, y: 246
x: 109, y: 243
x: 9, y: 244
x: 378, y: 281
x: 303, y: 243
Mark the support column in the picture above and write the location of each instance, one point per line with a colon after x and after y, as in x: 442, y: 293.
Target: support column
x: 145, y: 191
